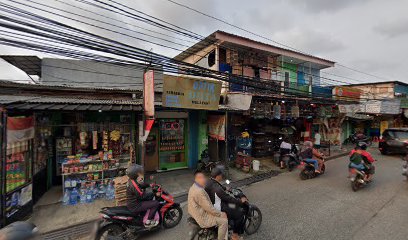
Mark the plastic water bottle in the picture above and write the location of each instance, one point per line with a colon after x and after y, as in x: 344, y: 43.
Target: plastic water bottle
x: 82, y: 195
x: 94, y: 190
x: 89, y: 198
x: 102, y: 191
x: 73, y: 197
x: 110, y: 192
x: 66, y: 198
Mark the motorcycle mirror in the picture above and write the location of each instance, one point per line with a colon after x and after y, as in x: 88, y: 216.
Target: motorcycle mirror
x: 227, y: 182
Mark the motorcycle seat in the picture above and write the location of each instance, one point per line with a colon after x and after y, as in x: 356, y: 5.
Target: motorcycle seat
x: 121, y: 210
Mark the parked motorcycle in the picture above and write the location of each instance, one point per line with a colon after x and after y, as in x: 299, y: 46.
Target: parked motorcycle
x: 308, y: 170
x: 357, y: 179
x: 291, y: 160
x: 120, y: 223
x: 205, y: 164
x: 356, y: 138
x: 253, y: 220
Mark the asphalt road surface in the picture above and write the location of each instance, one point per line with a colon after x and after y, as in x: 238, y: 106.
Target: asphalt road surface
x: 326, y: 207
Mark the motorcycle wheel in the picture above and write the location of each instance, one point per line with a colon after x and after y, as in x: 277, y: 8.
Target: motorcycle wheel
x: 172, y: 217
x: 355, y: 185
x: 303, y: 175
x: 323, y: 169
x: 111, y: 232
x: 205, y: 234
x: 253, y: 223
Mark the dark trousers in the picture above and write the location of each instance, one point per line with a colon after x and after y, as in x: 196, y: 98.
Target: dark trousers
x: 145, y: 205
x: 237, y: 216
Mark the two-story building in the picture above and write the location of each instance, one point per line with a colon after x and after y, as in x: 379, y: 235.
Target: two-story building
x: 293, y: 73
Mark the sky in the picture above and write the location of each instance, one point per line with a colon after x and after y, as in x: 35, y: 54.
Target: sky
x: 367, y: 35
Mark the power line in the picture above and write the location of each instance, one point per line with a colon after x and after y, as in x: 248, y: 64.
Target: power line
x: 251, y: 84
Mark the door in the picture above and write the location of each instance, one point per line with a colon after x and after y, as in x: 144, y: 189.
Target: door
x: 152, y: 151
x: 172, y: 143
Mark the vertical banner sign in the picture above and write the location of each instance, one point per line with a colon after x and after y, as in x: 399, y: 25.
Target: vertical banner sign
x: 148, y: 94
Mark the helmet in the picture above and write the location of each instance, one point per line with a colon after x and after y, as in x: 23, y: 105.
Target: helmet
x: 19, y: 231
x: 217, y: 171
x: 362, y: 145
x: 134, y: 170
x: 245, y: 134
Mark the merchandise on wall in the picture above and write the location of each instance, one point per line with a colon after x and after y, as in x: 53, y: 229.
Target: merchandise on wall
x: 172, y: 143
x: 18, y: 167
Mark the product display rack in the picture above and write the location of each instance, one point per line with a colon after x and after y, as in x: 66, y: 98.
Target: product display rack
x: 73, y: 167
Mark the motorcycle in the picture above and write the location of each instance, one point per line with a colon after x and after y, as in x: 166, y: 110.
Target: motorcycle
x: 120, y: 223
x: 291, y: 160
x: 355, y: 138
x: 205, y: 164
x: 19, y: 231
x: 357, y: 180
x: 253, y: 220
x: 308, y: 170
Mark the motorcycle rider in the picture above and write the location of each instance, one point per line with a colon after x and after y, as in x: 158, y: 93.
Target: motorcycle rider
x: 362, y: 160
x: 201, y: 209
x: 222, y: 201
x: 138, y: 198
x: 312, y: 155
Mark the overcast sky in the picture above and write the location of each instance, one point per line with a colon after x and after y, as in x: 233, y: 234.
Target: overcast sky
x: 369, y: 35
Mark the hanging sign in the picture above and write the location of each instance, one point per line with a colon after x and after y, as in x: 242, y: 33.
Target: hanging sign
x: 346, y: 93
x: 216, y: 126
x: 148, y: 94
x: 191, y: 93
x: 19, y: 129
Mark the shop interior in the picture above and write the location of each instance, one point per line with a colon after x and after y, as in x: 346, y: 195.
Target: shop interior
x: 79, y: 154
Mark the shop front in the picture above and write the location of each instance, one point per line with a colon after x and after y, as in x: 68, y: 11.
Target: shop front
x: 53, y: 158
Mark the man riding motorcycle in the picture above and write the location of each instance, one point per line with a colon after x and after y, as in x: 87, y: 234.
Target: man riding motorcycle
x: 362, y: 160
x: 222, y: 201
x: 201, y: 209
x: 138, y: 199
x: 312, y: 155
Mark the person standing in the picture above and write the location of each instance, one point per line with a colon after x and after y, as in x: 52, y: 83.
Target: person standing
x: 317, y: 138
x: 202, y: 210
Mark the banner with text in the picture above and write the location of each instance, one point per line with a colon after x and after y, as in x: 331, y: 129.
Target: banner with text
x: 191, y: 93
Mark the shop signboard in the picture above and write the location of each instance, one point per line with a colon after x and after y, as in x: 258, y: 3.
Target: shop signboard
x: 216, y: 126
x: 148, y: 94
x: 391, y: 107
x: 191, y: 93
x: 350, y: 108
x: 348, y: 93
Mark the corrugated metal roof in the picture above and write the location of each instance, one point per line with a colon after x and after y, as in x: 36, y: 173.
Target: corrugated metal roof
x: 68, y: 104
x: 29, y: 64
x: 7, y: 83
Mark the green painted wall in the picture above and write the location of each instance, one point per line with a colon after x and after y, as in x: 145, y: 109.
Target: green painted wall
x: 292, y: 69
x: 202, y: 133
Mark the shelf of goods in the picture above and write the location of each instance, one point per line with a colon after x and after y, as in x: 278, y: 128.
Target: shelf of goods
x: 87, y: 171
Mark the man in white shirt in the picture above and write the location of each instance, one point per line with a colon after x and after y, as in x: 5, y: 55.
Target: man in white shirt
x: 317, y: 138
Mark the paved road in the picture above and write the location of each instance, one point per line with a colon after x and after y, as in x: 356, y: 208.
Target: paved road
x: 326, y: 207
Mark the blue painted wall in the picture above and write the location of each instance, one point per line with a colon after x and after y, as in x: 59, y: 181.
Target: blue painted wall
x: 193, y: 121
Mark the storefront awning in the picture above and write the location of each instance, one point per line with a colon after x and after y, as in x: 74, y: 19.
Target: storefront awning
x: 68, y: 104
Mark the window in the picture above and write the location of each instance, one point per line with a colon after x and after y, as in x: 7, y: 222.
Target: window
x: 222, y: 55
x: 287, y: 79
x: 211, y: 58
x: 257, y: 73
